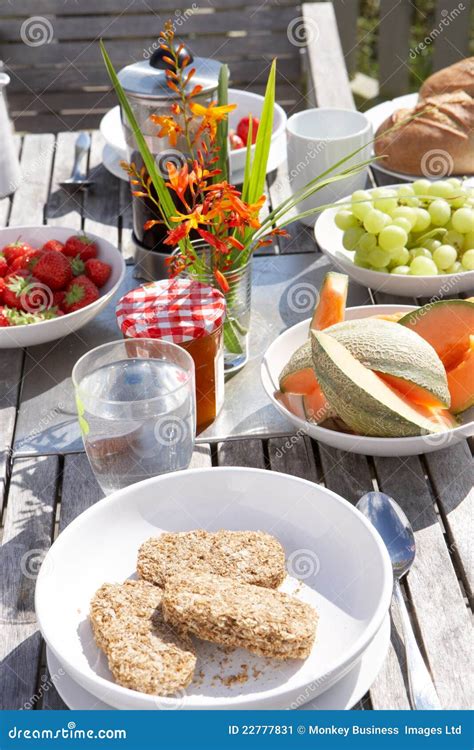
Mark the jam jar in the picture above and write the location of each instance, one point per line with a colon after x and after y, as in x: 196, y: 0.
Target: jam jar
x: 190, y: 314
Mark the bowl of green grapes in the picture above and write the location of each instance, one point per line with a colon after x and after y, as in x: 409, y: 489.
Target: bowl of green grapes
x: 413, y: 239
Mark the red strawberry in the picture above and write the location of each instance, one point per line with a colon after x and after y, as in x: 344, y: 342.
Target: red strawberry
x: 4, y: 322
x: 14, y: 250
x: 17, y: 288
x: 58, y: 299
x: 78, y: 266
x: 235, y: 140
x: 27, y: 261
x: 54, y: 270
x: 244, y: 126
x: 2, y: 287
x: 80, y: 245
x: 98, y: 271
x: 80, y: 293
x: 3, y: 266
x: 53, y: 245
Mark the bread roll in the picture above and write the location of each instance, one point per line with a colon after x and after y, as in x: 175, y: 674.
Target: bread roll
x: 435, y: 138
x: 459, y: 76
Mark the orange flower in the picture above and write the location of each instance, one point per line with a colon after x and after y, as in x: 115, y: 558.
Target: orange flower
x: 221, y: 280
x: 179, y: 180
x: 169, y: 127
x: 211, y: 115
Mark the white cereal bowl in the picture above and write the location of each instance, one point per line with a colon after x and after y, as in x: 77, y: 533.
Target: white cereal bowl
x: 16, y: 337
x: 247, y: 104
x: 278, y: 354
x: 329, y: 239
x: 343, y: 565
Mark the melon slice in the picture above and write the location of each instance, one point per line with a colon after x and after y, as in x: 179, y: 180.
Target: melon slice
x: 313, y: 407
x: 446, y: 325
x: 292, y: 402
x: 298, y: 375
x: 316, y: 407
x: 461, y: 382
x: 362, y: 399
x: 331, y: 306
x: 402, y: 358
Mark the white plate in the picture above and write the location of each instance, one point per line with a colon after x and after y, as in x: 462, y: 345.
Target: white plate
x: 247, y: 103
x: 278, y: 354
x: 340, y: 558
x: 378, y: 114
x: 329, y: 239
x: 50, y: 330
x: 342, y: 696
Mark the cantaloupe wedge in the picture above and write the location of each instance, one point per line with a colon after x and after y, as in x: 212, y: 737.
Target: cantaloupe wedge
x: 331, y: 307
x: 461, y: 382
x: 298, y: 375
x: 362, y: 399
x: 313, y: 407
x: 447, y: 325
x: 402, y: 358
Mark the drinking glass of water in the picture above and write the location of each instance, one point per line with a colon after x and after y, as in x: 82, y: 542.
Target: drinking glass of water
x: 137, y: 412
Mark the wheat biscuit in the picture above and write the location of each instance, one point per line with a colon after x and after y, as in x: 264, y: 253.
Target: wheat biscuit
x: 225, y: 611
x: 248, y: 556
x: 144, y: 653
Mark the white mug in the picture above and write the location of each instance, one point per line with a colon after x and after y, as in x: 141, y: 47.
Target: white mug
x: 316, y: 140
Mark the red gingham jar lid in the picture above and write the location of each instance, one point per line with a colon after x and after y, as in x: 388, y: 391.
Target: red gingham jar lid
x: 175, y: 310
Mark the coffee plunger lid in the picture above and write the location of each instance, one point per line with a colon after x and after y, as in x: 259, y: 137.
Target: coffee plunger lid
x: 147, y: 79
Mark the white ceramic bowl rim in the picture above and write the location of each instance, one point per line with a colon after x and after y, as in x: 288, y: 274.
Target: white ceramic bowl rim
x: 276, y: 108
x: 346, y: 657
x: 361, y: 123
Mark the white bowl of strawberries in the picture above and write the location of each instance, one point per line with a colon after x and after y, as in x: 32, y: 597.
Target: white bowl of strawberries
x: 52, y: 282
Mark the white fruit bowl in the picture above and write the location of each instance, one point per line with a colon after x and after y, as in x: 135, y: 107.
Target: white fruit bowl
x: 329, y: 238
x: 278, y: 354
x: 16, y: 337
x: 247, y: 104
x: 336, y: 561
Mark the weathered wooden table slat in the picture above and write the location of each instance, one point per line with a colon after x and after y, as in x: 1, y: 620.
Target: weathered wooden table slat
x: 41, y: 494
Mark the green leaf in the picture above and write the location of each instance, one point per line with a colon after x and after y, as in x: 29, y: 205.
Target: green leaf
x: 231, y: 340
x: 166, y: 205
x: 254, y: 185
x: 222, y: 137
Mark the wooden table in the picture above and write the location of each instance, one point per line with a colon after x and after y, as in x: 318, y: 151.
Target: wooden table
x: 46, y: 481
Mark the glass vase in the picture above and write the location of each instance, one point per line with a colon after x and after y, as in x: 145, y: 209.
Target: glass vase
x: 238, y: 300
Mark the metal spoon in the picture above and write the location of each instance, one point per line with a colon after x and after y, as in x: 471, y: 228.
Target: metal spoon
x: 78, y: 178
x: 396, y: 531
